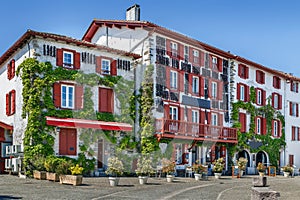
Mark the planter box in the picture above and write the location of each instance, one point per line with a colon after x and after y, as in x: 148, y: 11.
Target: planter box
x: 52, y: 176
x: 41, y: 175
x: 70, y: 179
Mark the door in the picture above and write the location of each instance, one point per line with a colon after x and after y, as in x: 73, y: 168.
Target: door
x: 100, y: 154
x: 67, y: 141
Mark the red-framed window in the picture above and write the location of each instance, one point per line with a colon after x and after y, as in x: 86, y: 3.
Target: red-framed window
x: 68, y: 58
x: 260, y: 77
x: 68, y: 142
x: 276, y: 101
x: 294, y: 86
x: 260, y: 96
x: 106, y: 66
x: 11, y: 103
x: 11, y: 69
x: 295, y: 133
x: 243, y: 93
x: 243, y: 121
x: 276, y: 128
x: 243, y: 71
x: 276, y: 82
x: 106, y: 100
x: 294, y: 109
x: 260, y: 126
x: 68, y: 95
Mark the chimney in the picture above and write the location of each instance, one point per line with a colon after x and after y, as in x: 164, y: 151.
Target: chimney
x: 133, y: 13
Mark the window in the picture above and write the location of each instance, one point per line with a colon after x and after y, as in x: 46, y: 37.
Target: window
x: 295, y: 133
x: 11, y: 103
x: 294, y: 86
x: 214, y: 119
x: 186, y: 53
x: 260, y: 77
x: 196, y: 56
x: 260, y: 96
x: 67, y: 141
x: 214, y: 63
x: 214, y: 90
x: 106, y: 100
x: 173, y: 79
x: 275, y: 128
x: 68, y: 59
x: 67, y: 96
x: 276, y: 82
x: 258, y: 126
x: 105, y: 66
x: 276, y: 101
x: 173, y: 113
x: 195, y: 85
x: 243, y: 71
x: 174, y: 49
x: 294, y: 109
x: 291, y: 160
x: 195, y: 116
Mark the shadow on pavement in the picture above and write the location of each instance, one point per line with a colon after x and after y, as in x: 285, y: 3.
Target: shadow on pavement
x: 4, y: 197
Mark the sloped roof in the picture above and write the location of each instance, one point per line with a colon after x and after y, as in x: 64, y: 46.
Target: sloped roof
x: 30, y: 33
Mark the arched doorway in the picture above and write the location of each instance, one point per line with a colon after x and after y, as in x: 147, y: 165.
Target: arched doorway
x: 244, y: 154
x: 261, y: 157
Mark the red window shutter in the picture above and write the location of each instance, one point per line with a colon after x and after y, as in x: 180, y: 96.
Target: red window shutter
x: 113, y: 68
x: 201, y: 58
x: 264, y: 126
x: 166, y: 112
x: 297, y: 110
x: 220, y: 64
x: 76, y: 60
x: 273, y: 96
x: 98, y: 64
x: 7, y: 105
x: 263, y: 77
x: 279, y: 102
x: 72, y: 142
x: 279, y: 128
x: 57, y: 95
x: 78, y: 97
x: 220, y: 119
x: 201, y: 85
x: 59, y: 57
x: 297, y: 87
x: 202, y: 117
x: 293, y: 132
x: 63, y: 142
x: 210, y: 61
x: 274, y: 82
x: 257, y: 76
x: 242, y: 119
x: 247, y: 72
x: 103, y: 100
x: 8, y: 71
x: 168, y: 45
x: 256, y: 91
x: 291, y: 85
x: 208, y: 117
x: 298, y: 133
x: 255, y: 124
x: 220, y: 91
x: 13, y: 102
x: 181, y: 81
x: 209, y: 88
x: 240, y: 70
x: 191, y: 83
x: 12, y: 68
x: 191, y: 55
x: 238, y: 93
x: 189, y: 119
x: 180, y: 52
x: 181, y: 114
x: 110, y: 100
x: 263, y: 97
x: 247, y: 93
x: 273, y: 127
x: 291, y: 108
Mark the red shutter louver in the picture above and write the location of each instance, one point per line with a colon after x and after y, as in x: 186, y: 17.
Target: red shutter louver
x: 103, y: 100
x: 293, y: 132
x: 240, y: 70
x: 274, y: 82
x: 110, y: 100
x: 297, y: 110
x: 291, y: 108
x: 59, y: 57
x: 209, y: 88
x: 181, y: 114
x: 189, y: 119
x: 202, y: 117
x: 264, y: 126
x: 76, y: 60
x: 57, y: 95
x: 191, y: 83
x: 78, y: 97
x: 13, y: 68
x: 255, y: 124
x: 220, y: 64
x: 208, y: 117
x: 247, y: 93
x: 8, y: 71
x: 201, y: 58
x: 279, y: 102
x: 220, y: 119
x: 298, y: 133
x: 168, y: 44
x: 166, y: 112
x: 98, y: 64
x: 263, y: 97
x: 13, y: 102
x: 7, y: 104
x: 247, y: 72
x: 273, y: 127
x: 181, y: 81
x: 242, y: 119
x: 180, y: 52
x: 257, y: 76
x: 220, y: 91
x: 210, y: 61
x: 113, y: 68
x: 256, y: 92
x: 273, y: 96
x: 202, y: 85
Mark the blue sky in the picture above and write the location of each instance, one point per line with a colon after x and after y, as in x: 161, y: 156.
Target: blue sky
x: 264, y: 31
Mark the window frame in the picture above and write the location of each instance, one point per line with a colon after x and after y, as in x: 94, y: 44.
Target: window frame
x: 195, y: 85
x: 259, y: 96
x: 214, y: 62
x: 104, y: 70
x: 171, y: 112
x: 258, y: 126
x: 173, y: 79
x: 214, y: 119
x: 195, y: 56
x: 67, y: 64
x: 174, y: 49
x: 67, y: 96
x: 242, y: 93
x: 195, y: 116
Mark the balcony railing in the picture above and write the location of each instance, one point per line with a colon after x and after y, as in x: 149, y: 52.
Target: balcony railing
x: 195, y: 131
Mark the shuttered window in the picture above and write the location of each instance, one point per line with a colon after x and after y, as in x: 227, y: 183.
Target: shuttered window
x: 11, y: 103
x: 243, y: 71
x: 276, y: 101
x: 11, y: 69
x: 260, y: 77
x: 106, y: 66
x: 242, y: 119
x: 67, y: 58
x: 106, y: 100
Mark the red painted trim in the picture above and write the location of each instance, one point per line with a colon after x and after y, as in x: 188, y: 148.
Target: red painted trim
x: 83, y: 123
x: 6, y: 126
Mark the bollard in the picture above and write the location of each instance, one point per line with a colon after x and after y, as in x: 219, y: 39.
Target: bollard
x: 260, y: 190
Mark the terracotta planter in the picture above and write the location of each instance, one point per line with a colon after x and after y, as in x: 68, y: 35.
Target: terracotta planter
x: 70, y: 179
x: 41, y: 175
x: 143, y: 179
x: 52, y: 176
x: 170, y: 178
x: 113, y: 181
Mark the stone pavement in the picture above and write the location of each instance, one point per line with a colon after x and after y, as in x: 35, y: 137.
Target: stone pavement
x: 13, y: 187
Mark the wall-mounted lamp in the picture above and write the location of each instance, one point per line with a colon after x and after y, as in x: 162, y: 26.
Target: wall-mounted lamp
x: 288, y: 80
x: 57, y: 129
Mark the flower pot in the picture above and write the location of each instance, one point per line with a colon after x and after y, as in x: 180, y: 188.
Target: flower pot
x: 218, y: 175
x: 113, y: 181
x: 261, y: 173
x: 170, y: 178
x: 143, y: 179
x: 286, y: 174
x: 52, y: 176
x: 197, y: 176
x: 70, y: 179
x: 241, y: 173
x: 41, y: 175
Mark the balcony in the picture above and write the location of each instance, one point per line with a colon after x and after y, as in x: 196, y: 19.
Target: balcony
x: 166, y: 128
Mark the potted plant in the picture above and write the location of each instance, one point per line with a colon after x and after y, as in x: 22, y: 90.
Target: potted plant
x: 114, y: 169
x: 38, y: 167
x: 69, y: 173
x: 168, y: 167
x: 198, y: 169
x: 261, y: 169
x: 287, y: 170
x: 144, y: 169
x: 50, y: 164
x: 218, y: 167
x: 242, y: 163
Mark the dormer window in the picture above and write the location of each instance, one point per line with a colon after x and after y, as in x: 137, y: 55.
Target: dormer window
x: 105, y: 66
x: 68, y: 59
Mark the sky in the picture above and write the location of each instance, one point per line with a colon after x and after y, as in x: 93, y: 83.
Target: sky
x: 263, y: 31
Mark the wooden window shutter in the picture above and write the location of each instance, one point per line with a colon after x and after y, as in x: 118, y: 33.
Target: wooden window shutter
x: 247, y: 93
x: 273, y: 97
x: 168, y: 45
x: 12, y: 68
x: 220, y: 64
x: 98, y: 64
x: 72, y: 142
x: 220, y: 91
x: 63, y: 142
x: 59, y: 57
x: 103, y: 100
x: 291, y: 160
x: 180, y: 52
x: 291, y: 108
x: 247, y: 72
x: 274, y: 82
x: 257, y: 76
x: 238, y: 91
x: 166, y: 112
x: 263, y: 97
x: 191, y: 83
x: 208, y: 117
x: 201, y: 58
x: 110, y: 100
x: 264, y: 126
x: 57, y: 95
x: 181, y: 81
x: 298, y: 133
x: 202, y: 117
x: 240, y: 70
x: 8, y: 71
x: 220, y: 119
x: 210, y: 61
x: 297, y: 110
x: 263, y: 77
x: 13, y: 102
x: 78, y: 97
x: 7, y: 105
x: 201, y: 86
x: 113, y: 68
x: 255, y: 118
x: 273, y: 121
x: 256, y: 92
x: 181, y: 114
x: 209, y: 88
x: 76, y: 60
x: 242, y: 120
x: 279, y: 102
x: 168, y: 77
x: 189, y: 115
x: 297, y: 87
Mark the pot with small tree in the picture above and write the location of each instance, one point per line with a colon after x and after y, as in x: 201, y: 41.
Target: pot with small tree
x: 261, y: 169
x: 218, y: 167
x: 198, y: 170
x: 168, y: 167
x: 242, y: 164
x: 144, y: 169
x: 287, y: 170
x: 114, y: 169
x: 69, y: 173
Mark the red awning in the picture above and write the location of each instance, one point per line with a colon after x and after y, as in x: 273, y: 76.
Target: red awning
x: 84, y: 123
x: 6, y: 126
